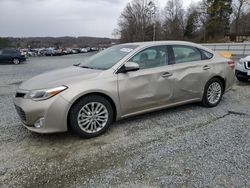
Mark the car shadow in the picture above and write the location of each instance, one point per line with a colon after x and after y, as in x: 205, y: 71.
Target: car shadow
x: 247, y: 83
x: 9, y: 63
x: 160, y: 113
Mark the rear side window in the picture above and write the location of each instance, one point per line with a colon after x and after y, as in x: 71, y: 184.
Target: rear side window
x: 184, y: 54
x: 1, y: 52
x: 9, y: 51
x: 206, y: 55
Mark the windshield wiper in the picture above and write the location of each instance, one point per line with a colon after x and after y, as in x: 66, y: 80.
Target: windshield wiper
x: 76, y: 65
x: 86, y: 67
x: 83, y: 66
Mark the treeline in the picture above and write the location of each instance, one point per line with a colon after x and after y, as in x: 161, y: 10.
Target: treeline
x: 205, y: 21
x: 58, y: 42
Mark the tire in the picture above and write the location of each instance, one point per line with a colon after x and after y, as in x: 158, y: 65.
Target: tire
x: 240, y: 79
x: 16, y: 61
x: 211, y: 86
x: 84, y: 122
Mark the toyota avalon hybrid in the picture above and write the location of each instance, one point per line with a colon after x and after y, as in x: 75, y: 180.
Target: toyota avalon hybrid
x: 122, y: 81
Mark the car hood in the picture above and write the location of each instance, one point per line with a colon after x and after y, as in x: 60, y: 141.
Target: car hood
x: 59, y: 77
x: 246, y: 58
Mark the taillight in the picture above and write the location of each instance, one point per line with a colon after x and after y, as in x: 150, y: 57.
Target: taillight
x: 231, y: 64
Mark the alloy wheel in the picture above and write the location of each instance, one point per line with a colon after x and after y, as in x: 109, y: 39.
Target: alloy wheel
x: 92, y: 117
x: 214, y: 92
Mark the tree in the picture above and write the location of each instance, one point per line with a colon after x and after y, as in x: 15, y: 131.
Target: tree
x: 4, y: 42
x: 192, y: 23
x: 134, y: 24
x: 218, y: 21
x: 240, y: 7
x: 173, y: 24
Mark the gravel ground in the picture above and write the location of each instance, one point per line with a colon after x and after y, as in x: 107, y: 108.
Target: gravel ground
x: 186, y: 146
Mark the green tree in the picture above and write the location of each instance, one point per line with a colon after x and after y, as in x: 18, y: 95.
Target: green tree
x: 192, y: 24
x: 4, y: 42
x: 218, y: 21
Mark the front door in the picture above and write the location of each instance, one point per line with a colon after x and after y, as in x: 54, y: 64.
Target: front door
x: 151, y: 86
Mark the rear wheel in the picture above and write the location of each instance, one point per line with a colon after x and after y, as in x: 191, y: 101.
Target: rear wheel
x: 212, y: 93
x: 16, y: 61
x: 91, y: 116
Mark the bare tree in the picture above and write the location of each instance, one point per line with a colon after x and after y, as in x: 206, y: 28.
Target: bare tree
x: 240, y: 7
x: 134, y: 24
x: 173, y: 24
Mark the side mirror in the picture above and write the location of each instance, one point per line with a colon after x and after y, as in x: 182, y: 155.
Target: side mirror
x: 128, y: 67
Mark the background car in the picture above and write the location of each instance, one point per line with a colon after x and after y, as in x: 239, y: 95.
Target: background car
x: 11, y: 55
x: 123, y: 81
x: 242, y: 69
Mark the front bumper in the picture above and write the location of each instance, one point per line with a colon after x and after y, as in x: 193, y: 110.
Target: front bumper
x: 241, y: 74
x: 53, y: 110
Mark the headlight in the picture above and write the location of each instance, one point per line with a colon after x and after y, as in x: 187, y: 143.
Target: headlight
x: 241, y: 62
x: 38, y: 95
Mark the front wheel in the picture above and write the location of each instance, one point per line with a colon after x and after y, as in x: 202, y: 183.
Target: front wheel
x: 16, y: 61
x: 212, y: 93
x: 91, y: 116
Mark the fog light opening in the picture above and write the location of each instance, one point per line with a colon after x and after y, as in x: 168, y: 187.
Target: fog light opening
x: 39, y: 123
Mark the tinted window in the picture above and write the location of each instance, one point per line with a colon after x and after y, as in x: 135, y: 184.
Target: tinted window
x: 206, y: 55
x: 186, y: 54
x: 109, y: 57
x: 1, y: 52
x: 151, y: 57
x: 9, y: 51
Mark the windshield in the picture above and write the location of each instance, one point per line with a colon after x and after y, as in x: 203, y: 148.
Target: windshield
x: 109, y: 57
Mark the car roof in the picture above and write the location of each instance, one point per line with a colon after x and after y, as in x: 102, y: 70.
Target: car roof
x: 169, y: 42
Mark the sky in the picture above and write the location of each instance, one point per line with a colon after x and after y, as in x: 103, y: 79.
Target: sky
x: 41, y: 18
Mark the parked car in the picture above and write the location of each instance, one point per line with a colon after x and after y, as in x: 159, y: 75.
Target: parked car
x: 122, y: 81
x: 93, y: 49
x: 50, y: 52
x: 66, y: 51
x: 11, y: 55
x: 58, y: 52
x: 76, y: 51
x: 84, y: 50
x: 242, y: 70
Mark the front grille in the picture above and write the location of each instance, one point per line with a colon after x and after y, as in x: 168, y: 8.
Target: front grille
x: 248, y: 64
x: 21, y: 113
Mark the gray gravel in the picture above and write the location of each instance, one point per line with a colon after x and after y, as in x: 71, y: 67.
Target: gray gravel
x: 187, y: 146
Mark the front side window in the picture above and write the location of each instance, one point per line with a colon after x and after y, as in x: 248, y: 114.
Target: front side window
x: 184, y: 54
x: 109, y: 57
x: 151, y: 57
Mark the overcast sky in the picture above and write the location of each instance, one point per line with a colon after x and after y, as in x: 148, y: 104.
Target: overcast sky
x: 33, y: 18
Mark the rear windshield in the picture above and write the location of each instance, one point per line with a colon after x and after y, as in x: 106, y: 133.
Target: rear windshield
x: 109, y: 57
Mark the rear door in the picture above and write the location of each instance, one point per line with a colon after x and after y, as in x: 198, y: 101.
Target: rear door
x: 191, y: 71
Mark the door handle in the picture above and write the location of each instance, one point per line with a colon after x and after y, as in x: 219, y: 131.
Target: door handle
x: 166, y: 75
x: 206, y: 67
